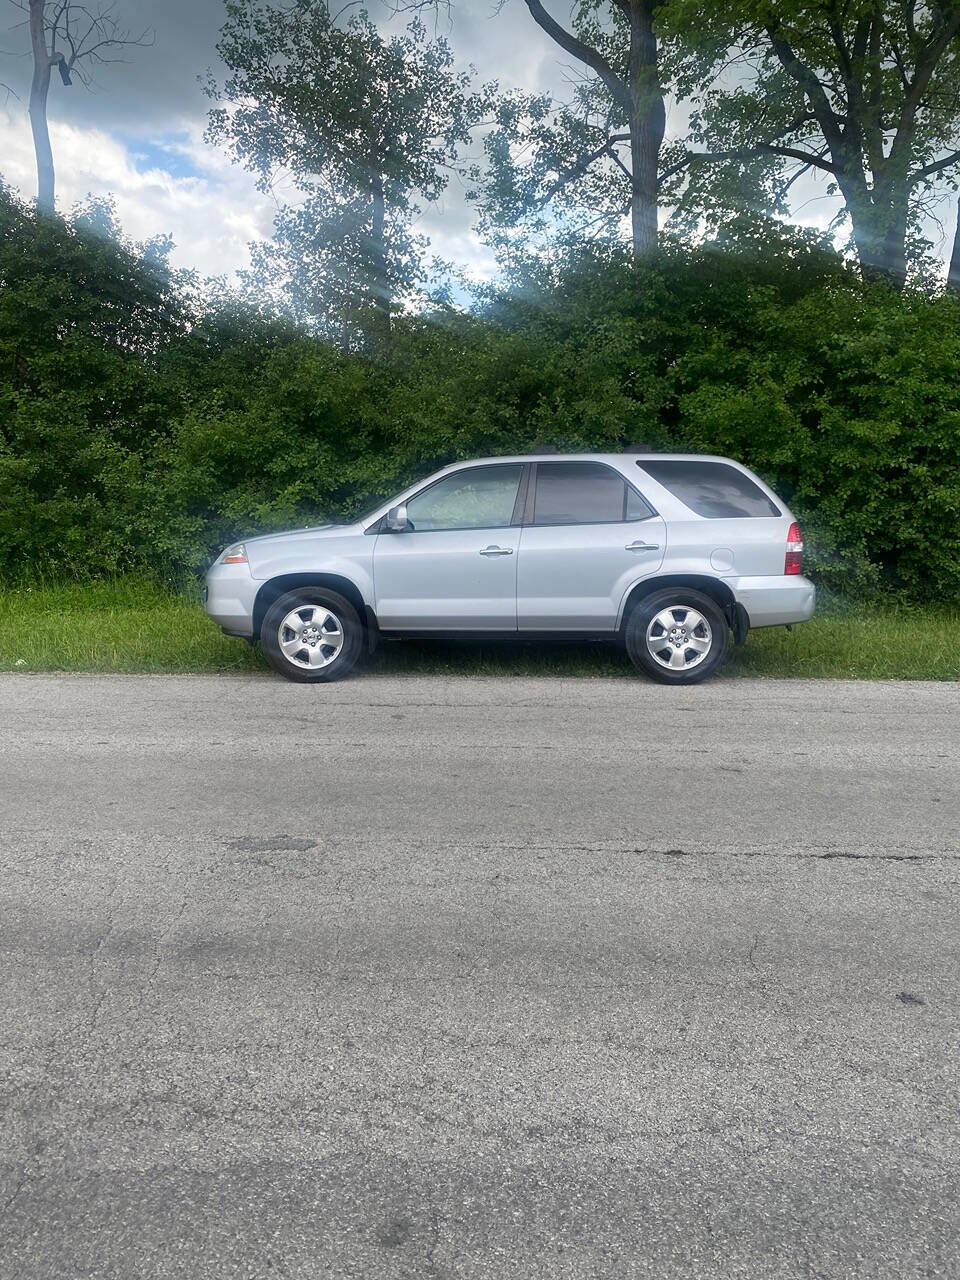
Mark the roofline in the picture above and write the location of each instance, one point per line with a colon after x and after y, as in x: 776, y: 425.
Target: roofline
x: 516, y: 458
x: 584, y: 456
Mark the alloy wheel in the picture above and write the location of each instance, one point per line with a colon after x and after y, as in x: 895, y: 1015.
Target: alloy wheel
x: 310, y: 636
x: 679, y: 638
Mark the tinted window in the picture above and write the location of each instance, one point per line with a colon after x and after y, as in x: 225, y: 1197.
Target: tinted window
x: 637, y: 509
x: 584, y: 493
x: 711, y: 489
x: 479, y: 498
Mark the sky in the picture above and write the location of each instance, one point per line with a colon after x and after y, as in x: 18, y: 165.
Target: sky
x: 137, y: 133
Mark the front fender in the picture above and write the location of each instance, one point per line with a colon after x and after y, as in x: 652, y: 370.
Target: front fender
x: 317, y: 556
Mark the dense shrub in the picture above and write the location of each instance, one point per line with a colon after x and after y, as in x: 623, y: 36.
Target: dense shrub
x: 138, y: 430
x: 83, y: 405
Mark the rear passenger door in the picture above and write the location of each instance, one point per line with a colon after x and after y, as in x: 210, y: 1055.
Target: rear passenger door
x: 588, y: 536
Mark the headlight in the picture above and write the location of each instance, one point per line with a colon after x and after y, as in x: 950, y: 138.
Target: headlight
x: 237, y: 554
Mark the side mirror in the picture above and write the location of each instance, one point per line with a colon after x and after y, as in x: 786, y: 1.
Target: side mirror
x: 397, y: 521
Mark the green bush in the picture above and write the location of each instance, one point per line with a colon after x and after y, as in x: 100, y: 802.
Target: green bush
x: 141, y: 430
x: 83, y: 406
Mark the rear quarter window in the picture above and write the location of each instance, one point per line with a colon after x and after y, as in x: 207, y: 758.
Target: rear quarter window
x: 712, y: 489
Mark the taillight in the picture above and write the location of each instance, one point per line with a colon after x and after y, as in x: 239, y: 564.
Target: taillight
x: 793, y: 561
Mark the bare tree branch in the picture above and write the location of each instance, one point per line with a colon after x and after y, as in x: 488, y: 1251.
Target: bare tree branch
x: 580, y: 167
x: 65, y: 34
x: 936, y: 166
x: 811, y: 86
x: 582, y: 51
x: 809, y: 159
x: 784, y: 189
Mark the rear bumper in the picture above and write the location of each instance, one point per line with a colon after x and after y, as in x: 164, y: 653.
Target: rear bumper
x: 230, y: 596
x: 774, y: 602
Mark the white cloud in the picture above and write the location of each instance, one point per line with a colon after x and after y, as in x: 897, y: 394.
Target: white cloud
x: 213, y: 211
x: 210, y: 206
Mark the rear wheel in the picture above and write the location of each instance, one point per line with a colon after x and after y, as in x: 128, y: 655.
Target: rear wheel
x: 677, y: 636
x: 311, y: 635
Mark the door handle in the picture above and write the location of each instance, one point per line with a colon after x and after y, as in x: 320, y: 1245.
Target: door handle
x: 642, y: 546
x: 497, y: 551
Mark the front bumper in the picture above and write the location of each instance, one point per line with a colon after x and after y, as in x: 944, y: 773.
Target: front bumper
x: 230, y: 596
x: 775, y: 602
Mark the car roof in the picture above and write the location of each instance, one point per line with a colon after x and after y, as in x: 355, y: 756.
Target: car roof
x: 639, y: 458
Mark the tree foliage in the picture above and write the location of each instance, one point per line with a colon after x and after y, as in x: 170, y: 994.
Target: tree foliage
x: 363, y: 127
x: 144, y: 427
x: 865, y: 93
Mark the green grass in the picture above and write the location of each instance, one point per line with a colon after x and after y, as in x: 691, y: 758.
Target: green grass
x: 131, y: 626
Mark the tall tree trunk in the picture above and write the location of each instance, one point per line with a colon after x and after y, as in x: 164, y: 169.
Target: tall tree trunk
x: 648, y: 120
x: 880, y: 236
x: 953, y: 271
x: 639, y: 95
x: 39, y: 88
x: 884, y: 254
x: 381, y: 283
x: 878, y: 213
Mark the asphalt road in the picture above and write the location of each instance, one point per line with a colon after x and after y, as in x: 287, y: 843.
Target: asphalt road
x: 467, y: 978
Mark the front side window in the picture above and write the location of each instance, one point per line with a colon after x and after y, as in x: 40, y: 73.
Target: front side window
x: 712, y: 489
x: 584, y: 493
x: 478, y: 498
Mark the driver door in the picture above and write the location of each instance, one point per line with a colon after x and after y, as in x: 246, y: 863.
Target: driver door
x: 455, y: 567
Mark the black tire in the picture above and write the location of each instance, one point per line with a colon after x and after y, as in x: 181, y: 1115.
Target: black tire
x: 715, y: 632
x: 295, y: 664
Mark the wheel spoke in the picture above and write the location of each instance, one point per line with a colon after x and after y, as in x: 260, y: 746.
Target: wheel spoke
x: 679, y: 637
x: 310, y: 636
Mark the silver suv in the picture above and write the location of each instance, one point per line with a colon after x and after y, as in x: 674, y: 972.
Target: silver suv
x: 670, y: 552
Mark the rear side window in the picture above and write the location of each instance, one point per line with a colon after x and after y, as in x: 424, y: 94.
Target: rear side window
x: 712, y: 489
x: 584, y: 493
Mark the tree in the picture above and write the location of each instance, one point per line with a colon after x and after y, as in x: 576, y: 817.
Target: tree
x: 864, y: 92
x: 363, y: 126
x: 598, y: 156
x: 70, y: 37
x: 953, y: 269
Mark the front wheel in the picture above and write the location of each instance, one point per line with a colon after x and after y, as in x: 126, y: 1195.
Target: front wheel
x: 677, y: 636
x: 311, y: 635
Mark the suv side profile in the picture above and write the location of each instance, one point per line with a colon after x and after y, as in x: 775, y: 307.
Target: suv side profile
x: 669, y: 552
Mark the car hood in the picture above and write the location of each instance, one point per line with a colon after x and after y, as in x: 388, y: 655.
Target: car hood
x: 312, y: 531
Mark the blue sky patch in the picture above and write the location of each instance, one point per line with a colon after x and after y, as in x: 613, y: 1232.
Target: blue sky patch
x: 169, y: 153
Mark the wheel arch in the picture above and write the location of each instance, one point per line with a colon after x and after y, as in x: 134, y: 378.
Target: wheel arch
x: 273, y: 588
x: 715, y: 588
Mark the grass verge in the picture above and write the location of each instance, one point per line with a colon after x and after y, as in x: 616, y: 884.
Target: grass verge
x: 132, y: 626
